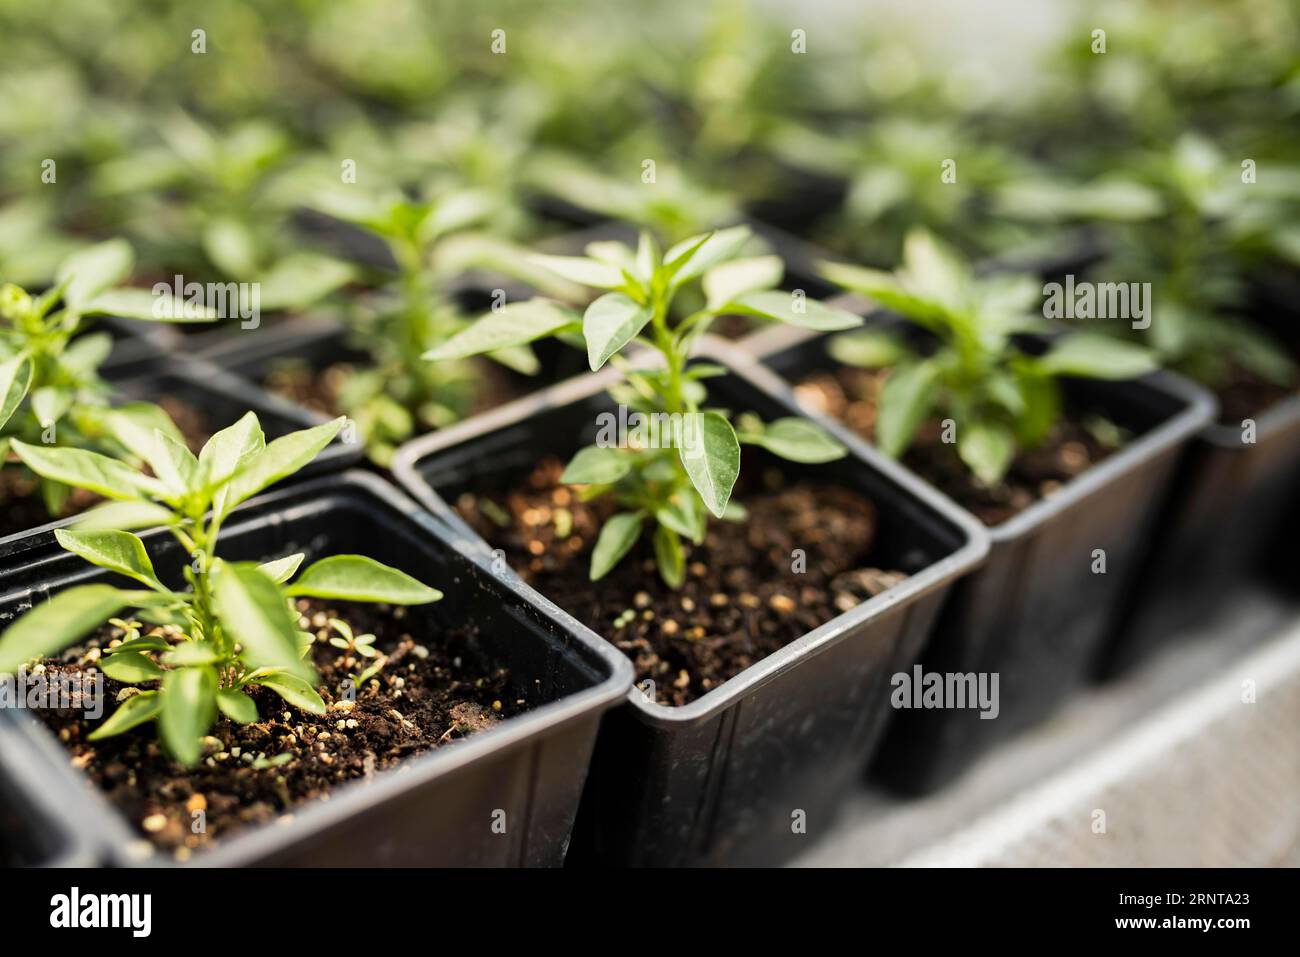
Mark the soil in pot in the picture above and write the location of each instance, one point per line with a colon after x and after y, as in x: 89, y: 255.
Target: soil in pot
x: 426, y: 695
x: 21, y: 505
x: 1078, y: 442
x: 1245, y: 395
x: 744, y: 596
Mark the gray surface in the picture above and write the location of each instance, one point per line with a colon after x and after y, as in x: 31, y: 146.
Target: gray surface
x: 1186, y: 773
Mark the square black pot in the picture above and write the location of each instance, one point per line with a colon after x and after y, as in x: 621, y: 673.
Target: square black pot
x: 438, y: 807
x: 723, y: 779
x: 222, y: 396
x: 1035, y: 613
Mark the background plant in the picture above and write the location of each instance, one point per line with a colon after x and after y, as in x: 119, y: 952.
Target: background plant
x: 50, y: 388
x: 1002, y: 398
x: 691, y: 471
x: 235, y: 626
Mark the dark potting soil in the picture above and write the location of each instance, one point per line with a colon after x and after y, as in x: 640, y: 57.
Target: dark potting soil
x: 851, y: 395
x: 427, y: 694
x: 21, y: 505
x: 1247, y: 395
x: 742, y: 600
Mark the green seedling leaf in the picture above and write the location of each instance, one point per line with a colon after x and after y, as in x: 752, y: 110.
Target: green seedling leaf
x: 130, y: 667
x: 987, y: 448
x: 52, y: 626
x: 93, y: 270
x: 131, y: 713
x: 117, y: 551
x: 669, y: 556
x: 579, y: 269
x: 1097, y: 357
x: 595, y: 465
x: 514, y: 324
x: 88, y: 470
x: 616, y: 539
x: 191, y: 654
x: 610, y: 323
x: 282, y: 569
x: 294, y: 690
x: 905, y: 402
x: 710, y: 452
x: 695, y: 256
x: 279, y: 459
x: 189, y: 707
x: 868, y: 349
x: 147, y: 306
x: 358, y: 578
x: 123, y: 516
x: 731, y: 280
x: 15, y: 380
x: 237, y: 706
x: 252, y: 610
x: 793, y: 310
x: 797, y: 440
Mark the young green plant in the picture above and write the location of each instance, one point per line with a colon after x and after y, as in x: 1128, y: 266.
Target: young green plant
x: 234, y: 627
x: 685, y: 466
x: 1001, y: 398
x: 50, y: 388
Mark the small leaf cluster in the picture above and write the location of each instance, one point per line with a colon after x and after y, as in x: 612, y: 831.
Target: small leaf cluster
x: 50, y: 388
x: 1002, y: 398
x: 674, y: 483
x: 234, y: 627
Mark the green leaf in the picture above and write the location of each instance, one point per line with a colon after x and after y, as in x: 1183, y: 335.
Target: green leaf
x: 797, y: 440
x: 794, y: 310
x: 610, y: 323
x: 88, y: 470
x: 669, y: 557
x: 229, y: 243
x: 192, y: 653
x: 868, y: 349
x: 358, y: 578
x: 514, y: 324
x: 615, y: 540
x: 50, y: 403
x: 147, y: 306
x: 56, y: 624
x: 132, y: 712
x: 694, y: 256
x: 282, y: 569
x: 252, y: 609
x: 905, y: 403
x: 684, y: 515
x: 730, y: 280
x: 281, y: 458
x: 84, y: 354
x: 130, y: 667
x: 987, y: 448
x: 294, y: 690
x: 115, y: 550
x: 299, y: 280
x: 189, y: 707
x: 710, y: 452
x: 15, y: 380
x: 94, y: 269
x: 579, y: 269
x: 595, y: 465
x: 237, y: 706
x: 229, y: 448
x: 123, y: 516
x: 1095, y: 356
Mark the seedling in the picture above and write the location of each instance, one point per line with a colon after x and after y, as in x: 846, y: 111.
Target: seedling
x: 1001, y: 398
x: 345, y: 640
x: 50, y: 389
x: 414, y: 312
x: 234, y: 627
x: 687, y: 466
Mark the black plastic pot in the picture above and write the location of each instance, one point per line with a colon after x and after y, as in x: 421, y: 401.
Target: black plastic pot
x: 34, y: 833
x: 439, y: 807
x: 1229, y: 503
x: 222, y: 396
x: 722, y: 779
x: 1035, y: 613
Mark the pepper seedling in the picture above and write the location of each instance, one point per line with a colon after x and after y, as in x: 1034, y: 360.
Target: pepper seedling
x: 1001, y: 398
x: 50, y: 388
x: 235, y: 626
x: 687, y: 463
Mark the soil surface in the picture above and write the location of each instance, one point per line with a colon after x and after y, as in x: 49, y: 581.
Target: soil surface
x: 1247, y: 396
x: 21, y: 506
x: 742, y: 599
x: 851, y: 395
x: 424, y: 696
